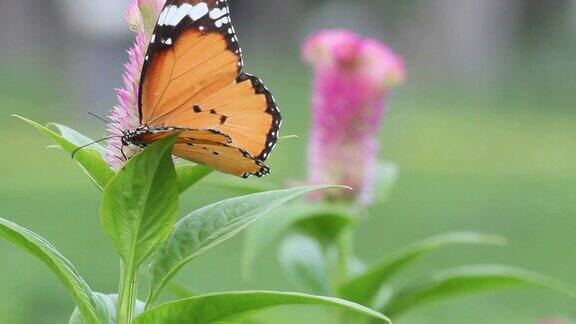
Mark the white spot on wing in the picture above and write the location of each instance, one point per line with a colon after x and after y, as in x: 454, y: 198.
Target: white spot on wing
x: 173, y: 15
x: 171, y: 12
x: 162, y: 17
x: 222, y: 21
x: 198, y: 11
x: 182, y: 12
x: 217, y: 13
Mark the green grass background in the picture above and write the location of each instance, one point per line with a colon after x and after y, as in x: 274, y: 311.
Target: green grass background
x: 499, y: 163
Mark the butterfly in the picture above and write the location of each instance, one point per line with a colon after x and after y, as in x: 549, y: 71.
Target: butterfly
x: 192, y: 84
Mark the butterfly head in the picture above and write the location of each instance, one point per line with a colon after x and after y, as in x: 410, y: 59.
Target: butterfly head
x: 131, y: 137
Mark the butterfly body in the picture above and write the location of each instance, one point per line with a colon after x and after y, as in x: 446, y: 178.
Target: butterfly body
x: 192, y: 84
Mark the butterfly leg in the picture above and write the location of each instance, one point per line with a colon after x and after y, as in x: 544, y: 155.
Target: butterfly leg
x: 123, y: 154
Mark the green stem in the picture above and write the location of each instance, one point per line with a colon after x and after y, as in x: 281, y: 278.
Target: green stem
x: 127, y: 294
x: 344, y: 248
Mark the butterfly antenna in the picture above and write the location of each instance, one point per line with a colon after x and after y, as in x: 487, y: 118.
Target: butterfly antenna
x: 90, y: 144
x: 98, y: 117
x: 108, y: 122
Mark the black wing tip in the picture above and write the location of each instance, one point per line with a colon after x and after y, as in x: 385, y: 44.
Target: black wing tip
x: 264, y: 169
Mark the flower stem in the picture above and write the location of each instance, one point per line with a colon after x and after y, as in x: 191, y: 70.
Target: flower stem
x: 344, y: 248
x: 127, y: 293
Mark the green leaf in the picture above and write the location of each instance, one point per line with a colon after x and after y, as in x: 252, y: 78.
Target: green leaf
x: 90, y: 307
x: 364, y: 287
x: 466, y: 280
x: 386, y: 177
x: 304, y: 263
x: 180, y: 291
x: 78, y: 138
x: 90, y: 160
x: 189, y: 175
x: 140, y: 203
x: 327, y: 227
x: 210, y: 226
x: 265, y: 231
x: 109, y: 302
x: 226, y: 306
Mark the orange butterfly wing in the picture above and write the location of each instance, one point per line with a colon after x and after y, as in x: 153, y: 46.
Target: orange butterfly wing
x: 209, y: 147
x: 192, y: 80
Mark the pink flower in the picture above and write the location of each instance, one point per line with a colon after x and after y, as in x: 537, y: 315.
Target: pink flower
x: 555, y: 320
x: 353, y: 78
x: 141, y: 17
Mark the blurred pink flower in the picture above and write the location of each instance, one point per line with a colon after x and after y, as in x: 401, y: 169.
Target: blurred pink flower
x: 555, y: 320
x: 353, y: 78
x: 141, y: 17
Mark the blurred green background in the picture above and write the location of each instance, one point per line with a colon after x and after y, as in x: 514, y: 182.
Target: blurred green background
x: 483, y: 132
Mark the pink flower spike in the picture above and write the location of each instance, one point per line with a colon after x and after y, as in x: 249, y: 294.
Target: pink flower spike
x: 353, y: 77
x: 141, y: 17
x: 133, y: 17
